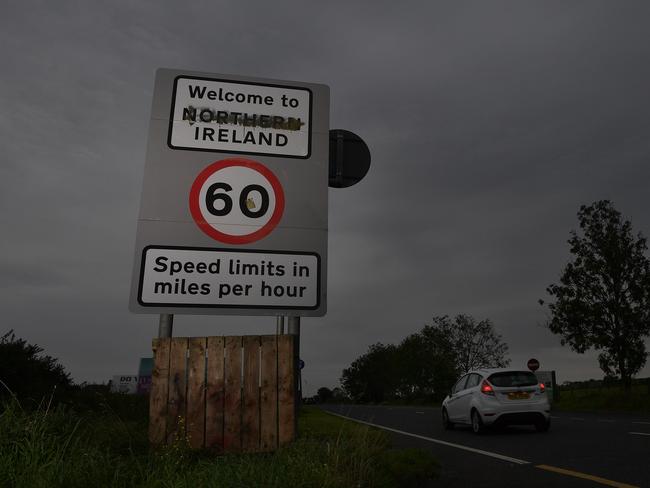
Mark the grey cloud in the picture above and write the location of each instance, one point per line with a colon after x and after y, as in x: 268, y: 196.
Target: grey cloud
x: 489, y: 124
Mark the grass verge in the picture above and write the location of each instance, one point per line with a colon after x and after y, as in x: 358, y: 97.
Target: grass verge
x: 58, y: 447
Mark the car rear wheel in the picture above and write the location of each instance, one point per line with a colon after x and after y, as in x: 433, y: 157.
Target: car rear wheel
x: 446, y: 423
x: 477, y: 423
x: 543, y: 425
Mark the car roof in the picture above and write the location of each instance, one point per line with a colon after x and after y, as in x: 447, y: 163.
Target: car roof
x: 489, y: 371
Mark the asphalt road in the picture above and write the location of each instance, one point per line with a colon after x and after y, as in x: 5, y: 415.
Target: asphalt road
x: 580, y: 450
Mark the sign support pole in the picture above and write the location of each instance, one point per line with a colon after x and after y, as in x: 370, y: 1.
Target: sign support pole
x: 294, y: 329
x: 279, y: 325
x: 165, y: 325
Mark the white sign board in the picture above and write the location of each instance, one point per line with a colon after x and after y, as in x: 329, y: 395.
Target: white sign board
x: 127, y: 384
x: 234, y: 209
x: 237, y: 117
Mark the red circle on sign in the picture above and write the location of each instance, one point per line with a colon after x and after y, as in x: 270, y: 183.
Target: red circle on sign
x: 198, y: 217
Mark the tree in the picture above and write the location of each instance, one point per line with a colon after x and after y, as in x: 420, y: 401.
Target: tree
x: 373, y: 376
x: 338, y: 395
x: 426, y: 365
x: 603, y: 298
x: 472, y: 344
x: 28, y: 374
x: 324, y: 394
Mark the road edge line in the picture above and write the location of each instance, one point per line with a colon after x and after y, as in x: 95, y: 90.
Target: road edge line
x: 585, y: 476
x: 436, y: 441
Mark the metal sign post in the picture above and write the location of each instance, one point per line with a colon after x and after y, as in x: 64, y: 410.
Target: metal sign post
x: 294, y: 329
x: 279, y: 325
x: 165, y: 325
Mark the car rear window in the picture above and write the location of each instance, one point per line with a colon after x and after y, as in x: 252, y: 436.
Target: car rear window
x: 513, y: 378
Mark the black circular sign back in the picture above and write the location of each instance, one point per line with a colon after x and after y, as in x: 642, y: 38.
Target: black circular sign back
x: 349, y: 159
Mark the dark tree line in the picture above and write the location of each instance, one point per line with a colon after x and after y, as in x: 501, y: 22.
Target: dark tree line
x: 425, y: 364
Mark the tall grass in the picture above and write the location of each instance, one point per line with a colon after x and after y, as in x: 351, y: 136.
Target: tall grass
x: 58, y: 447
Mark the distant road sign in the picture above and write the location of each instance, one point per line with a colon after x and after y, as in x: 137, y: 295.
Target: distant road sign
x: 124, y: 384
x: 236, y: 201
x: 533, y: 364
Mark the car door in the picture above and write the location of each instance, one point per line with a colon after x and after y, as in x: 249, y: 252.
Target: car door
x: 453, y: 407
x: 464, y: 399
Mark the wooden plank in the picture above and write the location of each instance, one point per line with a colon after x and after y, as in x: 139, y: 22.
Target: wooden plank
x: 269, y: 394
x: 251, y: 391
x: 176, y: 408
x: 159, y: 389
x: 232, y: 395
x: 196, y: 392
x: 214, y: 394
x: 286, y: 393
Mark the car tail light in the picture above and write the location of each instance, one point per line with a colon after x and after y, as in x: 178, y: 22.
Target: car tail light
x: 542, y: 387
x: 486, y: 388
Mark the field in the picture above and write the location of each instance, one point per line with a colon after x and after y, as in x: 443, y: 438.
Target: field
x: 599, y: 397
x: 103, y: 443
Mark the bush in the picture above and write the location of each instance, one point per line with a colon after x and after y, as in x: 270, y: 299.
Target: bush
x: 28, y: 374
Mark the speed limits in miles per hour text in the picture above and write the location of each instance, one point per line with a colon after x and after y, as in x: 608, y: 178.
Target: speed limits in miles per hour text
x: 229, y: 278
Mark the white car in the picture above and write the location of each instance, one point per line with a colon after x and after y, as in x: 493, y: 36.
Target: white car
x: 487, y: 397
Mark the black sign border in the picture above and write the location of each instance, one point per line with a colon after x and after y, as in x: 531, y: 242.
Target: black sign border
x: 240, y: 307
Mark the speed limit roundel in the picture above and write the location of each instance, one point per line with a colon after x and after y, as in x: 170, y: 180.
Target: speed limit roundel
x: 236, y: 201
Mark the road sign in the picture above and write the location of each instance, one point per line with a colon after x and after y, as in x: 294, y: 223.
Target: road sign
x: 533, y: 364
x: 233, y: 214
x: 236, y: 201
x: 213, y: 114
x: 124, y: 384
x: 349, y: 159
x: 145, y: 370
x: 548, y: 378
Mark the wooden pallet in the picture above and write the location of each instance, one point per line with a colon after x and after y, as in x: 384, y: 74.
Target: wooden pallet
x: 231, y: 394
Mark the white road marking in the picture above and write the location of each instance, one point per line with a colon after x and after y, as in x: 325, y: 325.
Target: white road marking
x: 639, y: 433
x: 437, y: 441
x: 419, y: 412
x: 644, y: 423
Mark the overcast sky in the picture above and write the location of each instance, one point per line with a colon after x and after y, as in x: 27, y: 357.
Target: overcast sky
x: 489, y: 124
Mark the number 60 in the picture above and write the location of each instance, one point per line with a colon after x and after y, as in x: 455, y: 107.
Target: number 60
x: 213, y: 195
